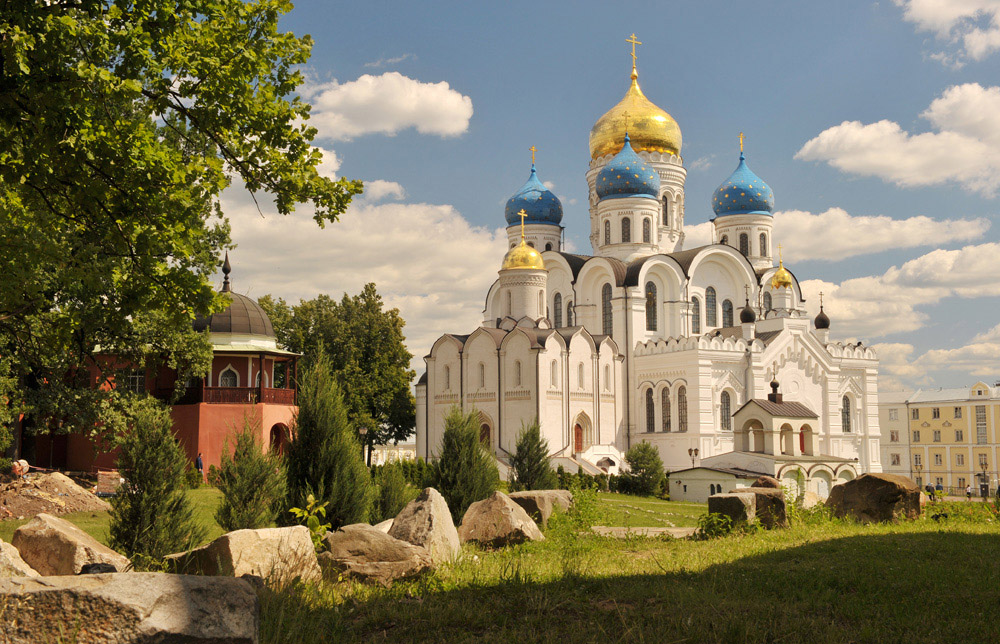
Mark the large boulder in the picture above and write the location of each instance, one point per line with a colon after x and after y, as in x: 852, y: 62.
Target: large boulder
x: 767, y: 482
x: 426, y: 521
x: 361, y: 551
x: 769, y: 505
x: 740, y: 508
x: 129, y: 608
x: 11, y: 563
x: 277, y: 555
x: 54, y: 546
x: 539, y: 504
x: 876, y: 497
x: 497, y: 521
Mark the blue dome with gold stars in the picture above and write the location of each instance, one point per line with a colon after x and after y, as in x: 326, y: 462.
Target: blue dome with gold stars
x: 626, y: 175
x: 743, y: 193
x: 537, y: 201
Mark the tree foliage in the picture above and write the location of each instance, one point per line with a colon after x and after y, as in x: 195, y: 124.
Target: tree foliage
x: 367, y: 353
x: 393, y: 492
x: 466, y: 471
x: 324, y: 457
x: 151, y: 515
x: 529, y: 464
x: 120, y: 125
x: 646, y: 469
x: 251, y: 481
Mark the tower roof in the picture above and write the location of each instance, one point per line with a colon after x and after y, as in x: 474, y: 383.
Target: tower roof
x: 743, y: 193
x: 540, y: 204
x: 242, y: 317
x: 626, y: 175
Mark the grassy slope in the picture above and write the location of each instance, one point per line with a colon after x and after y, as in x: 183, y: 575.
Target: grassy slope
x: 626, y: 510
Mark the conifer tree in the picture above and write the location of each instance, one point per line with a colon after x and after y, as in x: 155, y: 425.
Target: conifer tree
x: 251, y: 482
x: 529, y: 464
x: 393, y: 492
x: 466, y: 471
x: 151, y: 516
x: 324, y: 457
x: 646, y: 468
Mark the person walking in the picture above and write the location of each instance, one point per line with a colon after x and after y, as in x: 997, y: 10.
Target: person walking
x: 200, y: 466
x: 968, y: 492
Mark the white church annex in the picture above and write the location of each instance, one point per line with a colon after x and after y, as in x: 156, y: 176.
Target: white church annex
x: 646, y: 340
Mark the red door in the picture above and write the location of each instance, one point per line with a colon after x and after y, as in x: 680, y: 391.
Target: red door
x: 578, y: 439
x: 802, y: 442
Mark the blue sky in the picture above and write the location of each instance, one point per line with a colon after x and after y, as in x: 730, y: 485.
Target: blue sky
x: 876, y: 124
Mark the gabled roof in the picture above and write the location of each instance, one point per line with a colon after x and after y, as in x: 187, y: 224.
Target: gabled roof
x: 784, y: 409
x: 735, y: 471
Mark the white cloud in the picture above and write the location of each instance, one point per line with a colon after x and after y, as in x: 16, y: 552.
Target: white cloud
x: 418, y: 255
x: 382, y: 62
x: 329, y: 165
x: 380, y: 189
x: 702, y: 163
x: 964, y: 150
x: 970, y: 26
x: 896, y: 368
x: 698, y: 235
x: 386, y: 104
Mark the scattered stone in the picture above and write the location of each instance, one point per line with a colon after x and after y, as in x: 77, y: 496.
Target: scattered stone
x: 426, y: 521
x: 97, y: 569
x: 54, y: 546
x: 385, y: 526
x: 278, y: 555
x: 11, y: 563
x: 769, y: 505
x: 767, y: 482
x: 740, y: 508
x: 876, y: 497
x: 496, y: 522
x: 129, y: 608
x: 364, y: 552
x: 539, y: 504
x: 52, y: 493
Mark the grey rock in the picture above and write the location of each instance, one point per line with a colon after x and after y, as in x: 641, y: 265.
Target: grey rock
x: 740, y: 508
x: 360, y: 551
x: 497, y: 521
x: 11, y: 563
x: 539, y: 504
x: 277, y: 555
x: 876, y: 498
x: 54, y: 546
x: 426, y: 521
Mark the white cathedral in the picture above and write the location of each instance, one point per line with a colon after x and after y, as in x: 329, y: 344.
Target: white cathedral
x: 646, y: 340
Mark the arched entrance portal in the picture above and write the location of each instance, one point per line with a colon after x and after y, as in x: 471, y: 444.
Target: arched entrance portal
x: 279, y: 438
x: 484, y: 434
x: 577, y: 438
x: 583, y: 434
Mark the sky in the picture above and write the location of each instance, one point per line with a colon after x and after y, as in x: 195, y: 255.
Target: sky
x: 877, y: 125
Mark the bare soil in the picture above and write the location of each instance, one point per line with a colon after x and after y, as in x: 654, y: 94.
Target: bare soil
x: 50, y: 492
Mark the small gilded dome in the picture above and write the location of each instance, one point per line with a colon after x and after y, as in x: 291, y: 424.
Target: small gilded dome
x: 822, y: 320
x: 541, y: 206
x: 781, y: 278
x: 626, y: 175
x: 652, y: 129
x: 523, y: 256
x: 743, y: 193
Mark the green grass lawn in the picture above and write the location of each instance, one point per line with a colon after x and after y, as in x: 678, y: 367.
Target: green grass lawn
x: 639, y: 511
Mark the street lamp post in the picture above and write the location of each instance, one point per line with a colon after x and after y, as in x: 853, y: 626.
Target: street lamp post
x: 918, y: 467
x: 363, y: 432
x: 693, y: 453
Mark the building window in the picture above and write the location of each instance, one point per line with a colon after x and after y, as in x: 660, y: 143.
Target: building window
x: 938, y: 480
x: 607, y: 232
x: 517, y: 373
x: 650, y: 412
x: 959, y: 435
x: 579, y: 375
x: 727, y: 313
x: 229, y: 378
x: 541, y: 304
x: 682, y: 409
x: 666, y: 211
x: 508, y: 303
x: 894, y: 459
x: 626, y: 230
x: 725, y: 413
x: 482, y: 375
x: 981, y: 424
x: 606, y: 323
x: 845, y: 415
x: 607, y: 377
x: 665, y: 408
x: 557, y: 307
x: 554, y: 374
x: 647, y: 231
x: 724, y: 240
x: 763, y: 245
x: 920, y: 482
x: 959, y: 459
x: 894, y: 436
x: 893, y: 414
x: 744, y: 244
x: 917, y: 460
x: 916, y: 435
x: 937, y: 435
x: 958, y: 412
x: 135, y: 381
x: 695, y: 316
x: 914, y: 414
x: 961, y: 481
x: 767, y: 302
x: 548, y: 246
x: 982, y: 460
x: 711, y: 314
x: 935, y: 412
x: 447, y: 378
x: 650, y: 306
x: 937, y: 459
x: 569, y: 313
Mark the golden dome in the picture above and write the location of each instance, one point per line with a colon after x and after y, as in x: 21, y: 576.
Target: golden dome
x: 781, y: 278
x: 523, y: 256
x: 650, y: 128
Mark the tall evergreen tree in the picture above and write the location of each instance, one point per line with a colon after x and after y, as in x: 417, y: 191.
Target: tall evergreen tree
x: 529, y: 464
x: 324, y: 457
x: 151, y: 516
x: 466, y: 471
x: 646, y: 468
x: 251, y: 482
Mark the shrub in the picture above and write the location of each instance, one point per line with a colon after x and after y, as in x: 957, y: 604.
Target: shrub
x: 646, y: 469
x: 324, y: 457
x: 393, y: 492
x: 417, y: 472
x: 192, y: 477
x: 251, y: 482
x: 466, y: 471
x: 529, y: 464
x: 151, y: 515
x: 713, y: 524
x: 309, y: 516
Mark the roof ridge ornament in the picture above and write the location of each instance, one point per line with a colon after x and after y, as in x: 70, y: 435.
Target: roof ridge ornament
x: 226, y: 270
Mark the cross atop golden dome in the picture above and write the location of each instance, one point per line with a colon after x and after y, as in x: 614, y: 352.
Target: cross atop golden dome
x: 523, y: 256
x: 781, y: 278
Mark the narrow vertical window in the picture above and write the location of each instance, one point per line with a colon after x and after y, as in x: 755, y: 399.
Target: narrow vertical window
x: 725, y: 413
x: 447, y: 378
x: 767, y: 302
x: 724, y: 239
x: 557, y: 307
x: 763, y: 245
x: 517, y: 373
x: 647, y: 231
x: 845, y: 415
x: 650, y: 412
x: 626, y: 230
x: 541, y: 304
x: 579, y: 375
x: 482, y: 375
x: 607, y: 377
x: 508, y: 303
x: 682, y: 409
x: 554, y: 374
x: 665, y: 408
x: 606, y: 323
x: 711, y: 312
x: 695, y: 316
x: 727, y: 313
x: 569, y: 313
x: 650, y: 306
x: 607, y: 232
x: 744, y: 244
x: 666, y: 211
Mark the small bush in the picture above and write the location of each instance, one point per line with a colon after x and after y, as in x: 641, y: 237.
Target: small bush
x: 646, y: 469
x: 193, y: 477
x: 713, y: 525
x: 251, y: 482
x: 529, y: 464
x: 393, y: 492
x: 466, y: 471
x: 310, y: 516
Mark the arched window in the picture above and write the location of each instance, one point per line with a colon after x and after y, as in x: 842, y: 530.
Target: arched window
x: 607, y: 232
x: 626, y: 230
x: 548, y: 246
x: 744, y: 244
x: 579, y: 375
x: 682, y: 409
x: 557, y: 307
x: 569, y: 313
x: 845, y: 415
x: 650, y: 306
x: 727, y: 313
x: 650, y: 412
x: 724, y: 239
x: 695, y: 316
x: 665, y: 408
x: 666, y: 211
x: 607, y: 377
x: 482, y: 375
x: 257, y: 380
x: 767, y: 302
x: 532, y: 244
x: 726, y: 413
x: 508, y: 303
x: 229, y: 378
x: 606, y: 324
x: 554, y: 374
x: 447, y: 378
x: 517, y: 373
x: 763, y: 245
x: 711, y: 311
x: 647, y: 231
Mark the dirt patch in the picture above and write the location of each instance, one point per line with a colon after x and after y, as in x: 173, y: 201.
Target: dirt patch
x: 53, y: 492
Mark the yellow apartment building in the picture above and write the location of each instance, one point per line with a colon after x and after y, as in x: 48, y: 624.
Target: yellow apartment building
x: 953, y: 437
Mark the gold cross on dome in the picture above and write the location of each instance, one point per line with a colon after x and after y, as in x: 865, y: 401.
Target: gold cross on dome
x: 533, y: 150
x: 821, y: 299
x: 634, y: 43
x: 522, y: 215
x: 741, y: 141
x: 780, y: 257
